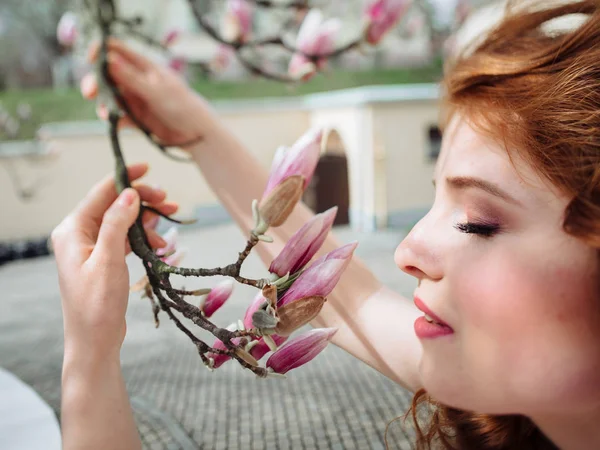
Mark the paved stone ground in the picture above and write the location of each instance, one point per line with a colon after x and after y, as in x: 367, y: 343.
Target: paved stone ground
x: 336, y: 402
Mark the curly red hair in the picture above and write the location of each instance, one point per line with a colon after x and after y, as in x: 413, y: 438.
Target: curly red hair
x: 537, y: 92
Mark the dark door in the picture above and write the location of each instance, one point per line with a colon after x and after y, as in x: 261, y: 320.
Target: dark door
x: 329, y: 187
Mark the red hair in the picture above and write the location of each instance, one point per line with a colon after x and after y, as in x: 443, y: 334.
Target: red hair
x: 537, y: 92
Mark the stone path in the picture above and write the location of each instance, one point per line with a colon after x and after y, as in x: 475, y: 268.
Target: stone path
x: 336, y: 402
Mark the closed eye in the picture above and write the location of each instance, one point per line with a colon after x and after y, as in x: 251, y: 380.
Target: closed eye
x: 482, y: 229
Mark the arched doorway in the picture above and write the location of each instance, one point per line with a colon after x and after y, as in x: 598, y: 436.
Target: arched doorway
x: 329, y: 186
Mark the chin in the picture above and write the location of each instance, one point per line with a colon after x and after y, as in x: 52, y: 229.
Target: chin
x: 446, y: 384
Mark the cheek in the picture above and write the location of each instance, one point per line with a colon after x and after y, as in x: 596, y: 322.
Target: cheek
x: 502, y: 293
x: 493, y: 294
x: 522, y: 321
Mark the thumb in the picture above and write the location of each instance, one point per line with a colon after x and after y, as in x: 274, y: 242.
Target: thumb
x: 128, y: 76
x: 116, y: 222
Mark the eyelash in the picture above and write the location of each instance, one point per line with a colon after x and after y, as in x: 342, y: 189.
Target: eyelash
x: 484, y: 230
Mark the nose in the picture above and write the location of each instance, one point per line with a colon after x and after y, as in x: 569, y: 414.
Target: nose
x: 419, y: 254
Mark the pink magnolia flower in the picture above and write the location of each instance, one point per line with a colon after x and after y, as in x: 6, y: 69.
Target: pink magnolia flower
x: 218, y: 358
x: 321, y: 276
x: 66, y: 30
x: 217, y: 297
x: 170, y: 38
x: 303, y: 245
x: 237, y: 26
x: 300, y: 159
x: 261, y: 349
x: 381, y: 16
x: 170, y: 238
x: 177, y: 64
x: 316, y: 37
x: 171, y: 254
x: 300, y: 350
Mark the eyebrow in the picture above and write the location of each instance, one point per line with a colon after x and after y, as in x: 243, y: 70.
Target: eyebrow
x: 462, y: 183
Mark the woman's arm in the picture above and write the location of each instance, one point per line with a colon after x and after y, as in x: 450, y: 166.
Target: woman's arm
x: 375, y: 324
x: 95, y: 409
x: 90, y: 247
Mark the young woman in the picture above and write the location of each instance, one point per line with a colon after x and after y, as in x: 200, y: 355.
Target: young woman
x: 502, y: 338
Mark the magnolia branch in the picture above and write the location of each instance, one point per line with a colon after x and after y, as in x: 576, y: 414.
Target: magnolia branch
x: 279, y: 41
x: 295, y: 290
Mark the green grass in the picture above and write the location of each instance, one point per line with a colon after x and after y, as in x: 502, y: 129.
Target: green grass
x: 51, y: 106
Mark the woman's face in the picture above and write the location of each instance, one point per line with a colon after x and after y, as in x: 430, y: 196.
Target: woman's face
x: 520, y: 295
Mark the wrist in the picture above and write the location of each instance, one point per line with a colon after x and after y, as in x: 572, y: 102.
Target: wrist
x: 86, y: 359
x: 203, y: 121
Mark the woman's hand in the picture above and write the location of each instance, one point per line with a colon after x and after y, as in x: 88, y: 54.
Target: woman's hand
x: 158, y: 97
x: 90, y: 247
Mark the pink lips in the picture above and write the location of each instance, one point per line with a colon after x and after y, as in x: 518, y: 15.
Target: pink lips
x: 429, y: 330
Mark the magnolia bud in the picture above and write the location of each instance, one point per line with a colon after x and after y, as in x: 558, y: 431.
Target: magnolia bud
x: 279, y: 204
x: 381, y: 16
x: 321, y: 276
x: 237, y: 22
x: 300, y: 350
x: 316, y: 37
x: 298, y: 313
x: 300, y: 159
x: 66, y: 31
x: 217, y: 297
x: 219, y: 358
x: 303, y: 245
x: 261, y: 348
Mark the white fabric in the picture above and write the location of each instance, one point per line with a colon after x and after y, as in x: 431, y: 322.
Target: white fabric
x: 26, y: 421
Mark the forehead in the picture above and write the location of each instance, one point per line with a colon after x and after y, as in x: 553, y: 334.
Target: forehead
x: 465, y: 149
x: 467, y: 152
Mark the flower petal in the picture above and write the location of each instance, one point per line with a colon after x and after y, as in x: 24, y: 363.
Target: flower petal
x: 300, y: 350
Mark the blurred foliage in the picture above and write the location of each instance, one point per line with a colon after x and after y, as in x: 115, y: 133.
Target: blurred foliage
x: 51, y: 106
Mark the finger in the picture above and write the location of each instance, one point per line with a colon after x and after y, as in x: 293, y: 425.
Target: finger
x: 135, y: 58
x: 104, y: 193
x: 89, y: 86
x: 126, y: 75
x: 117, y: 220
x: 150, y: 195
x: 93, y: 51
x: 156, y: 241
x: 166, y: 208
x: 117, y: 46
x: 150, y: 221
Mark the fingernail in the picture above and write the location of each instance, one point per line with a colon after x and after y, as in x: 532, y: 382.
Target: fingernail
x: 88, y: 85
x: 126, y: 198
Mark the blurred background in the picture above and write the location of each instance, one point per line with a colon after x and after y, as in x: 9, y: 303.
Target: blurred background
x: 380, y: 107
x: 370, y: 99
